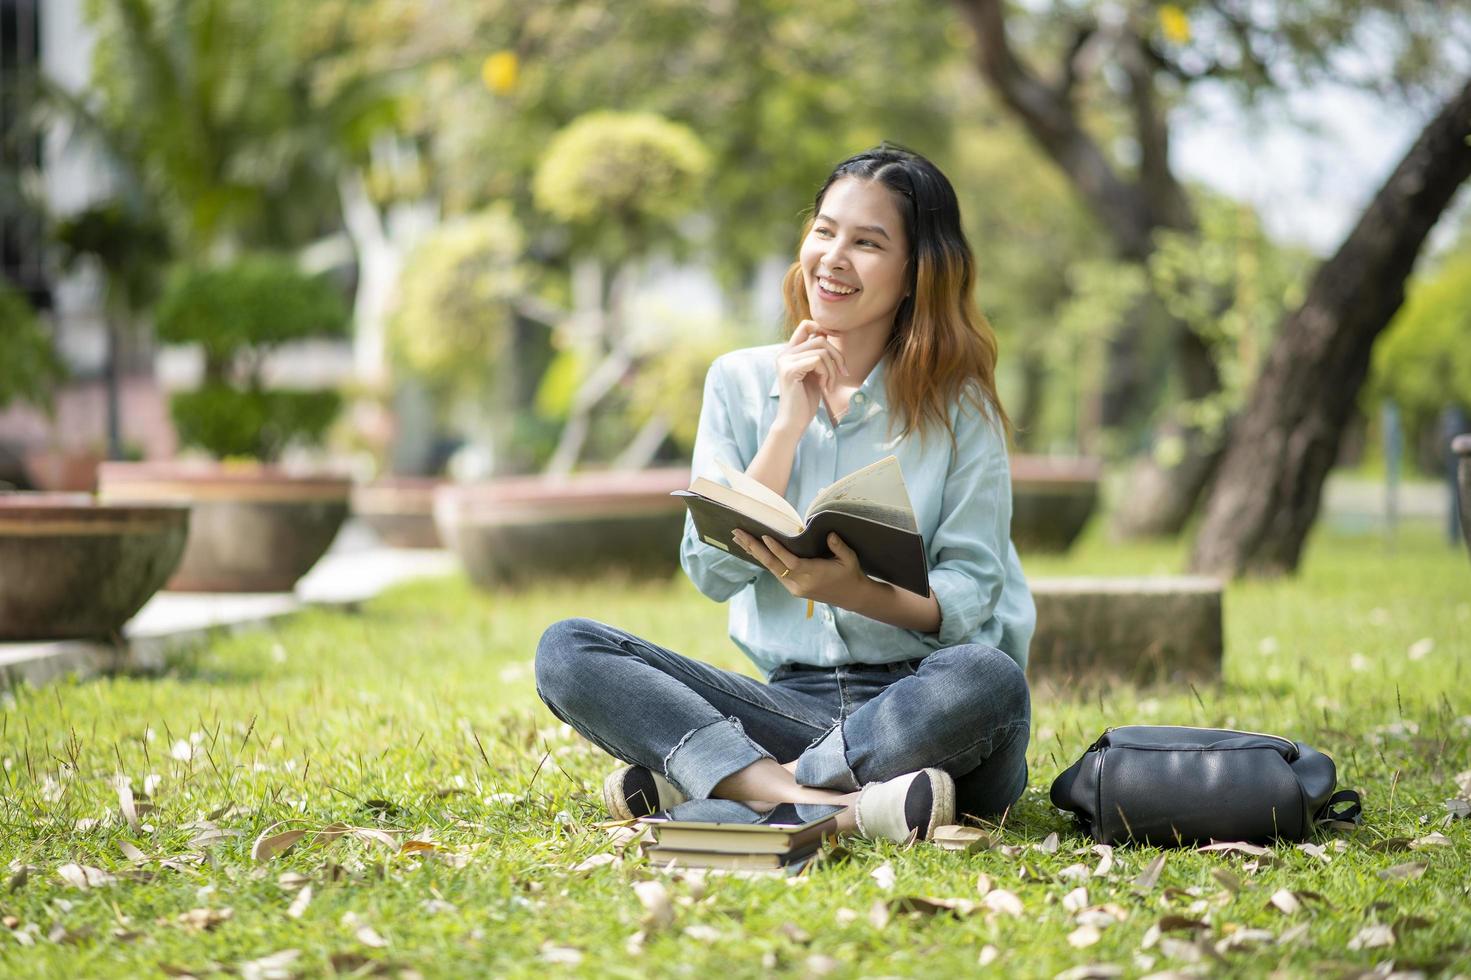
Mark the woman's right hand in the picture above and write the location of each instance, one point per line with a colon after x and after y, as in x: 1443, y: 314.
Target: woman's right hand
x: 806, y: 367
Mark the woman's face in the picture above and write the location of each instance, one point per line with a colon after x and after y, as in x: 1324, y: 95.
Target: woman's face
x: 853, y: 260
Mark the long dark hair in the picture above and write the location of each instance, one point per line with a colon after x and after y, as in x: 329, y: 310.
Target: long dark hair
x: 942, y: 348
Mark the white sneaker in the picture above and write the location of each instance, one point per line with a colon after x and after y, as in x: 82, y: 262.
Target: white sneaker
x: 906, y: 807
x: 635, y: 791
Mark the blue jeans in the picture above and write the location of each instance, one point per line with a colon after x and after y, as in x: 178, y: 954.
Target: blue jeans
x: 965, y: 709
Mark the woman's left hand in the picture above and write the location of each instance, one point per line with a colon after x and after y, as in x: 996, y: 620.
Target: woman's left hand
x: 836, y: 581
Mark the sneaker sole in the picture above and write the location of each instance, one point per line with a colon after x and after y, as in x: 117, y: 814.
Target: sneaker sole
x: 613, y: 796
x: 942, y: 808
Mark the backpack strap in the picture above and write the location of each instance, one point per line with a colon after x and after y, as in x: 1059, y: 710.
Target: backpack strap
x: 1352, y: 813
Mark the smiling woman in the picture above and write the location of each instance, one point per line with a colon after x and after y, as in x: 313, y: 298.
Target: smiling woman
x: 907, y: 708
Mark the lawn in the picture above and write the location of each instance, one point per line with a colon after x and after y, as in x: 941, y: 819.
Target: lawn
x: 416, y: 720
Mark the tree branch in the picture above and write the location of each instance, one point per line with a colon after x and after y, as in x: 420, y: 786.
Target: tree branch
x: 1049, y: 118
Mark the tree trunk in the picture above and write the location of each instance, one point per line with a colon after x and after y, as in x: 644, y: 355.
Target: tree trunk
x: 1161, y: 498
x: 1266, y: 496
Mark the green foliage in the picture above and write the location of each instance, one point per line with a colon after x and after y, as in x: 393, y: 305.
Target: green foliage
x: 29, y: 366
x: 1231, y: 285
x: 228, y: 422
x: 622, y: 179
x: 671, y: 382
x: 221, y: 114
x: 256, y: 302
x: 453, y: 329
x: 238, y: 312
x: 129, y: 243
x: 1423, y: 359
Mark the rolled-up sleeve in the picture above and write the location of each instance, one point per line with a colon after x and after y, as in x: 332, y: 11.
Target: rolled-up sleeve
x: 968, y: 550
x: 715, y: 572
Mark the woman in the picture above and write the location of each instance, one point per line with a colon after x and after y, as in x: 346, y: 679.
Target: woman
x: 905, y: 707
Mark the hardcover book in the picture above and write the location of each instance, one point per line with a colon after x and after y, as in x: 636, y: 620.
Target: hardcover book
x: 729, y: 834
x: 869, y: 509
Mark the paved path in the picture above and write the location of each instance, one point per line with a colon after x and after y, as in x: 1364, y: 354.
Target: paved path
x: 355, y: 569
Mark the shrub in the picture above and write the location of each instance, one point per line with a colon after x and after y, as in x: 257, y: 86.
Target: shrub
x: 1423, y: 359
x: 621, y: 178
x: 453, y: 325
x: 29, y: 367
x: 237, y: 313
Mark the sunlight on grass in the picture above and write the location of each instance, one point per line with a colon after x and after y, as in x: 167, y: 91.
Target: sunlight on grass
x: 419, y: 716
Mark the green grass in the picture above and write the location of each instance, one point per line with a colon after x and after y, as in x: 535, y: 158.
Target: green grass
x: 425, y: 701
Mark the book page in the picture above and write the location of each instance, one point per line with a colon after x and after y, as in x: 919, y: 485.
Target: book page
x: 760, y: 492
x: 757, y: 510
x: 876, y: 491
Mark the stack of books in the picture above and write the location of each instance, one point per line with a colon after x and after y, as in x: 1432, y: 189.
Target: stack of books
x: 729, y: 835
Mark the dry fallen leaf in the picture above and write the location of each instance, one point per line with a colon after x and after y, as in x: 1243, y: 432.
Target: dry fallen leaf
x: 702, y: 933
x: 299, y: 904
x: 1227, y: 878
x: 1049, y: 844
x: 125, y: 802
x: 85, y: 877
x: 276, y: 966
x: 419, y: 846
x: 269, y: 845
x: 1105, y: 860
x: 884, y: 875
x: 1075, y: 900
x: 561, y: 955
x: 983, y: 883
x: 878, y: 914
x: 203, y: 920
x: 925, y: 905
x: 1083, y: 937
x: 1074, y: 872
x: 819, y: 965
x: 131, y: 852
x: 956, y: 838
x: 1238, y: 846
x: 654, y: 897
x: 1004, y: 902
x: 1400, y: 872
x: 1091, y: 971
x: 1430, y: 840
x: 1149, y: 877
x: 1372, y: 937
x: 989, y: 955
x: 1285, y: 902
x: 594, y: 862
x: 1315, y: 850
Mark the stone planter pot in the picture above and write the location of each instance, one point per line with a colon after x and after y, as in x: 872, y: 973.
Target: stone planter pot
x: 71, y: 568
x: 62, y: 471
x: 400, y: 510
x: 519, y: 529
x: 1052, y: 498
x: 252, y: 528
x: 1461, y: 446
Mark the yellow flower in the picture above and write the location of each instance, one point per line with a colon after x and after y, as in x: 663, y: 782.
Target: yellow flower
x: 1174, y: 23
x: 499, y: 72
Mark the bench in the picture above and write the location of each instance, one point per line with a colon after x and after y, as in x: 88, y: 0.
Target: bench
x: 1141, y: 629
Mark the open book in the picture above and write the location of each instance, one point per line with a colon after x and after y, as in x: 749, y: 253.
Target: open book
x: 869, y: 509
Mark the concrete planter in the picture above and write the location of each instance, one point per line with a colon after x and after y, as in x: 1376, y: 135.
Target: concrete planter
x: 71, y: 568
x: 62, y: 471
x: 253, y: 528
x: 1461, y: 446
x: 400, y: 510
x: 519, y: 529
x: 1052, y: 498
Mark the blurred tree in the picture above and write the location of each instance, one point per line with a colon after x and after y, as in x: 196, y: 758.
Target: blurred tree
x: 1266, y: 497
x: 130, y: 248
x: 30, y: 367
x: 1423, y: 361
x: 1103, y: 118
x: 454, y: 329
x: 237, y: 312
x: 620, y: 182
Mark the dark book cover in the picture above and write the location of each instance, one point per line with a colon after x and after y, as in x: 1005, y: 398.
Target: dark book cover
x: 885, y: 552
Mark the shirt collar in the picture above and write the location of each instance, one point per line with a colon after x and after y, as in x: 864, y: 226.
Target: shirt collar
x: 874, y: 391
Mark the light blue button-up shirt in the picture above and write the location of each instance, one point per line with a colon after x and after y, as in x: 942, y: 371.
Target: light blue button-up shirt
x: 962, y: 501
